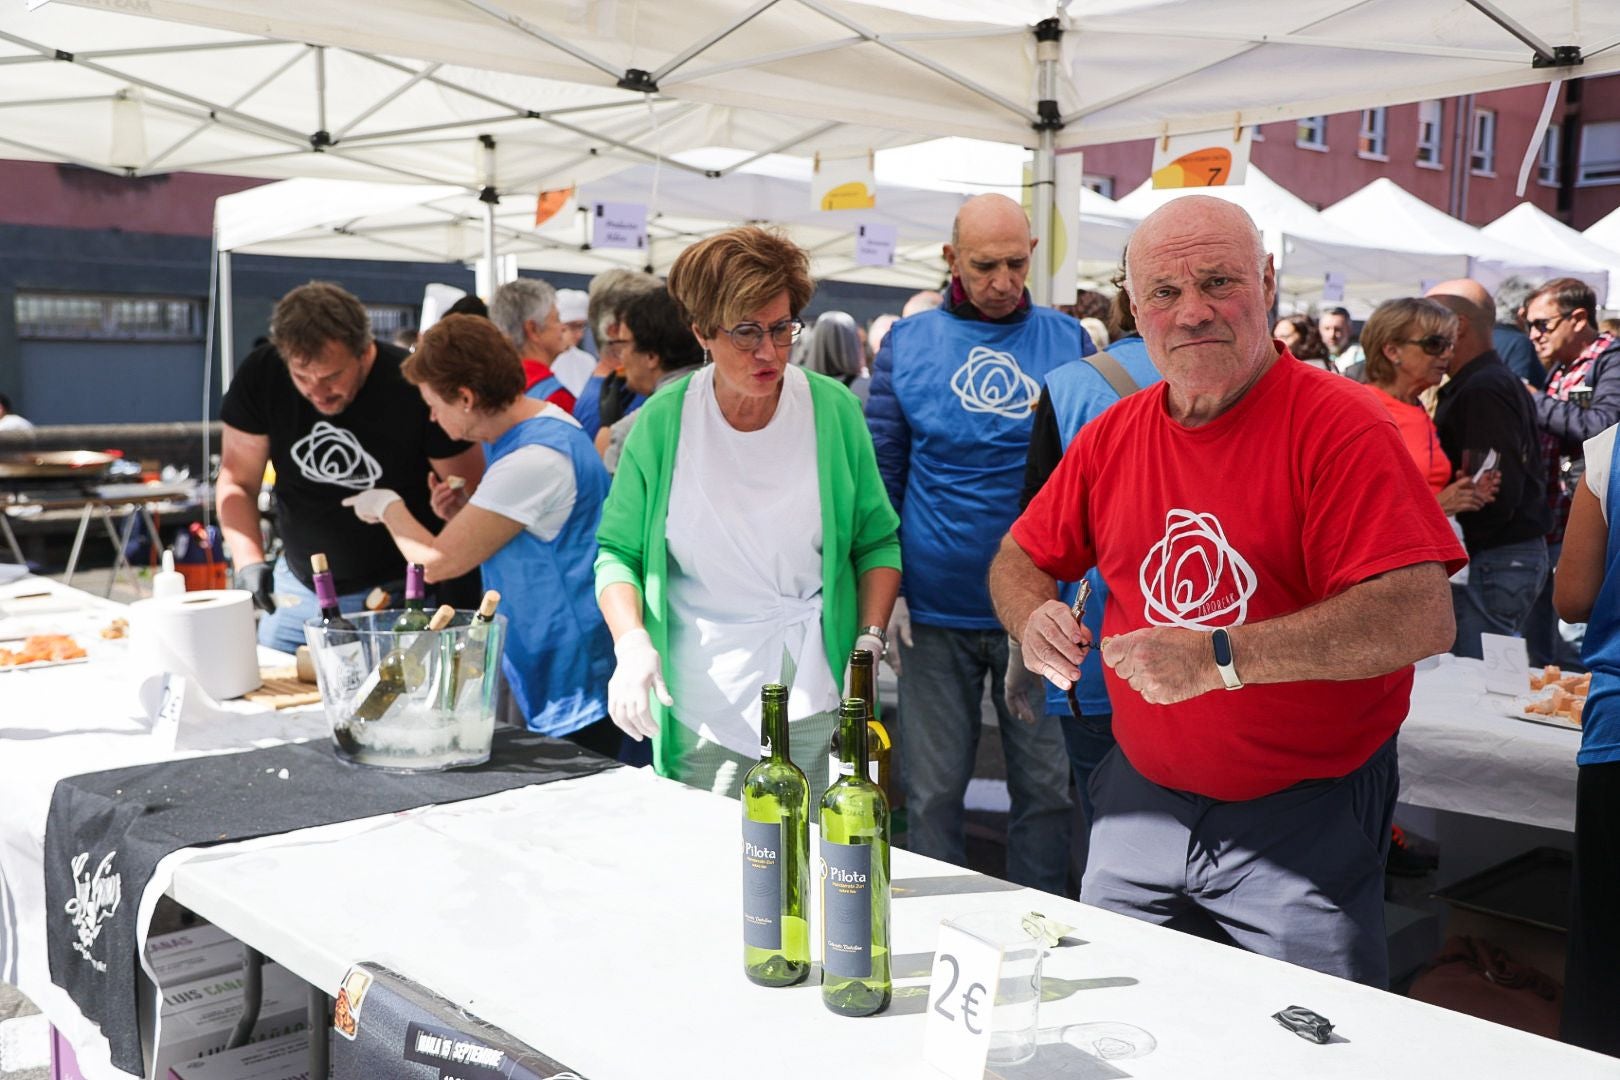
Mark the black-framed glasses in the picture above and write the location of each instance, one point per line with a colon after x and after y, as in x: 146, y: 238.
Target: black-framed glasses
x: 1433, y: 344
x: 1541, y: 326
x: 747, y: 336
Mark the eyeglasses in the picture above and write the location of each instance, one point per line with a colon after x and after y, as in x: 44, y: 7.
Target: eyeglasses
x: 1433, y: 344
x: 1541, y: 326
x: 748, y: 336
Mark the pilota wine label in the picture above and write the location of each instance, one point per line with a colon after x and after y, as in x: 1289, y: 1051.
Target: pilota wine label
x: 846, y: 909
x: 762, y: 884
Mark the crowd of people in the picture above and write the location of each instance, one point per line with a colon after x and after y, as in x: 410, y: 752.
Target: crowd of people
x: 722, y: 497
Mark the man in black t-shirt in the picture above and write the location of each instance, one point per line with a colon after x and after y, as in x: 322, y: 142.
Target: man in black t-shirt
x: 327, y: 406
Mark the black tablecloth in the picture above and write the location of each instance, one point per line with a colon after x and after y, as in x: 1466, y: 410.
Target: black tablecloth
x: 107, y: 831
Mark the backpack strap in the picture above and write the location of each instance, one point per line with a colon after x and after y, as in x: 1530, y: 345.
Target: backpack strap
x: 1112, y: 371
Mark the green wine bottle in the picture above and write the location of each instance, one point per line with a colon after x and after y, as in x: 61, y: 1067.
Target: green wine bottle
x: 472, y: 652
x: 400, y: 670
x: 416, y: 616
x: 863, y: 684
x: 776, y: 854
x: 854, y: 868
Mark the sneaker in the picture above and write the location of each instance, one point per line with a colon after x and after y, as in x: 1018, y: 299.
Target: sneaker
x: 1406, y: 859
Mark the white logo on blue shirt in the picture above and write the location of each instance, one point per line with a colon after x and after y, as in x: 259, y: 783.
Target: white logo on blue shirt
x: 992, y: 382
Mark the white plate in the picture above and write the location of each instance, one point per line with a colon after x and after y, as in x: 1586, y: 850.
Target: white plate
x: 1514, y: 707
x: 38, y: 664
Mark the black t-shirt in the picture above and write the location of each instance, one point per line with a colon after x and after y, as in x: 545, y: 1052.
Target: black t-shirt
x: 383, y: 439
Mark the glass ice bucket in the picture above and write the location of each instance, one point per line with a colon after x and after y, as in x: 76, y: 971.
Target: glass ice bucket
x: 411, y: 701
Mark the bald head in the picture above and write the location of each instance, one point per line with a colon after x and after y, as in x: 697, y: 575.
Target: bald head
x: 1193, y: 217
x: 989, y: 253
x: 1476, y: 315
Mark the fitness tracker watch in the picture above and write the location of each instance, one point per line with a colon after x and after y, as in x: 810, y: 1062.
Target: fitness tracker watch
x: 1222, y: 641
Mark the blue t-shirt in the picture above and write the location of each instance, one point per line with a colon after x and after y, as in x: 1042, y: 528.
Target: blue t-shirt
x: 1600, y: 721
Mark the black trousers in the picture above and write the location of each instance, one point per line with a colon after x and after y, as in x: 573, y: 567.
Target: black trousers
x: 1592, y: 972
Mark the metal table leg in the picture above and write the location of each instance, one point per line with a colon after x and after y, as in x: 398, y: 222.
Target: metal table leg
x: 11, y: 538
x: 320, y: 1034
x: 252, y: 997
x: 120, y: 540
x: 78, y: 543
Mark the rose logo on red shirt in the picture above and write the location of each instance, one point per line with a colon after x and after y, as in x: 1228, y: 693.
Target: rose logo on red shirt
x: 1193, y: 578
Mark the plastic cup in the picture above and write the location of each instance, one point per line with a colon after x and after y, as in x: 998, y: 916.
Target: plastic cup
x: 443, y: 718
x: 1015, y: 1017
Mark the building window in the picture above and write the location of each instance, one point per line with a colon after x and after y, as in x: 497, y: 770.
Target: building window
x: 1600, y: 154
x: 1373, y: 144
x: 71, y: 316
x: 1547, y: 164
x: 1311, y: 134
x: 389, y: 319
x: 1430, y: 133
x: 1255, y: 134
x: 1482, y: 147
x: 1102, y: 185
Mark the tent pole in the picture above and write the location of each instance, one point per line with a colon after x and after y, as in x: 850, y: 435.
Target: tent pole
x: 489, y: 197
x: 1048, y: 51
x: 227, y: 331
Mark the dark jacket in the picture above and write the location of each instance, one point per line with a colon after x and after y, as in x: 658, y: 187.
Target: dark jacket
x: 1486, y: 407
x: 1572, y: 425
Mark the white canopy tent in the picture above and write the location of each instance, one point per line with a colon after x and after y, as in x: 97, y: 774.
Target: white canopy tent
x: 1306, y: 248
x: 1605, y: 231
x: 1086, y: 72
x: 1388, y: 215
x: 1528, y: 226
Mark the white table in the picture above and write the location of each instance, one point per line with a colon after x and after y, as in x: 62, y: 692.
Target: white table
x: 1459, y: 752
x: 599, y: 920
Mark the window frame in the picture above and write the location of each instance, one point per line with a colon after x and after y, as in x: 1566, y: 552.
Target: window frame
x: 1549, y: 168
x: 108, y: 317
x: 1373, y: 142
x: 1482, y: 142
x: 1307, y: 125
x: 1436, y: 143
x: 1611, y: 169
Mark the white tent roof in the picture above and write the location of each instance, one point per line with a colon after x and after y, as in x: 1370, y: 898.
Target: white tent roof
x: 1384, y: 213
x: 1130, y: 68
x: 356, y: 219
x: 1307, y: 247
x: 1605, y: 231
x: 1528, y: 226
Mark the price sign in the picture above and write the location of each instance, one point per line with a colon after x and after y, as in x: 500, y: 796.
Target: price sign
x: 619, y: 225
x: 961, y: 998
x: 875, y: 244
x: 171, y: 703
x: 1507, y: 664
x: 1209, y: 159
x: 1333, y: 286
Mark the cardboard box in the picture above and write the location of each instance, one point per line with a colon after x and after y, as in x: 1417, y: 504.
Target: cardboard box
x: 283, y: 1058
x: 200, y: 952
x: 198, y: 1016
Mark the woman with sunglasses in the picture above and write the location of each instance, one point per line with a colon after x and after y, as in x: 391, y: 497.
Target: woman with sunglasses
x: 1408, y: 345
x: 747, y: 538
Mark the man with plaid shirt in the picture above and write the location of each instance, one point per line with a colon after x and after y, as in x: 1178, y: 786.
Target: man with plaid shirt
x: 1581, y: 399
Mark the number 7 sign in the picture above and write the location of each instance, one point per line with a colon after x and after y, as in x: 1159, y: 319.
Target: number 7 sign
x: 961, y: 999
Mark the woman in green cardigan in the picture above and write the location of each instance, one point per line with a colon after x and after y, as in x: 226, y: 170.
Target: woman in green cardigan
x: 747, y: 538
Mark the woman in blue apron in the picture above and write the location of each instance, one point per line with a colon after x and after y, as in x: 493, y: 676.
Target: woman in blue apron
x: 1587, y: 589
x: 530, y: 526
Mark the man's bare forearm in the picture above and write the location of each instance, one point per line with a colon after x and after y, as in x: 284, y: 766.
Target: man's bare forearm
x: 1370, y: 629
x: 238, y: 510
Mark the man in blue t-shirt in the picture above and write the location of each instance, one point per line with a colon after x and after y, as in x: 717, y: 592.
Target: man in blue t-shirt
x: 951, y: 409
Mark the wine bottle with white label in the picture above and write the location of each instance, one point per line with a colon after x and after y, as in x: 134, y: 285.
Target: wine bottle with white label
x: 401, y: 670
x: 341, y: 659
x: 416, y: 615
x: 854, y: 870
x: 776, y: 854
x: 863, y: 684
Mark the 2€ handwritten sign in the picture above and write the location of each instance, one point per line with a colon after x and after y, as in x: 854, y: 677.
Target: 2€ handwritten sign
x: 1507, y: 664
x: 961, y: 996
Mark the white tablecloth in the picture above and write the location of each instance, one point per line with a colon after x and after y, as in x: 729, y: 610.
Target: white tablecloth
x: 1460, y: 752
x: 80, y: 718
x: 599, y: 920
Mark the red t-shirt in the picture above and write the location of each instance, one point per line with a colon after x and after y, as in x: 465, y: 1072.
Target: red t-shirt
x: 1299, y: 491
x: 1422, y: 441
x: 535, y: 372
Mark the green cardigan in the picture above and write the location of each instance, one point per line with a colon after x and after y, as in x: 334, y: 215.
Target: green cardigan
x: 859, y: 529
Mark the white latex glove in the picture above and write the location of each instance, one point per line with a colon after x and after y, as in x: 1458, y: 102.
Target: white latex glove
x: 872, y: 644
x: 638, y: 671
x: 899, y: 632
x: 369, y: 506
x: 1020, y: 683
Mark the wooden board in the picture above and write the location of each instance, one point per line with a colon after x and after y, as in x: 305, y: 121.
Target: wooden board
x: 283, y: 690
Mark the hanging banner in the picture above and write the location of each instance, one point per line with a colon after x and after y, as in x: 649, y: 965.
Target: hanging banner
x: 550, y: 203
x: 1333, y: 286
x: 875, y: 244
x: 619, y: 225
x: 844, y: 183
x: 1206, y: 159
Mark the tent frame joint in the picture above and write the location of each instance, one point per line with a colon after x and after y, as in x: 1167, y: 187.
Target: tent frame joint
x: 1050, y: 116
x: 639, y: 80
x: 320, y: 140
x: 1562, y: 56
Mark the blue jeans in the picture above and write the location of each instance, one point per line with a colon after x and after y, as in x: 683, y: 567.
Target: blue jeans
x: 284, y: 628
x: 941, y: 689
x: 1089, y: 738
x: 1542, y: 633
x: 1502, y: 586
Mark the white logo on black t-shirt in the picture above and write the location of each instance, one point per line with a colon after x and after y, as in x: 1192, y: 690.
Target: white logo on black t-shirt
x: 332, y: 455
x: 1193, y: 578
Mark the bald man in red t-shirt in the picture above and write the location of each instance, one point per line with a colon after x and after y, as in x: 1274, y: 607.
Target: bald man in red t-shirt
x: 1275, y: 564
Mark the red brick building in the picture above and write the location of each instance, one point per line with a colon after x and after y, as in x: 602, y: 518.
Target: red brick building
x: 1459, y: 154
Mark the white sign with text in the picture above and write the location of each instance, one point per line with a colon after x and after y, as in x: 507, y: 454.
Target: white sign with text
x: 961, y: 998
x: 1507, y: 664
x: 619, y: 225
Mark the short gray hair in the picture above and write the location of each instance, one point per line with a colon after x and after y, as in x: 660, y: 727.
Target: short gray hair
x: 611, y: 292
x: 1511, y: 295
x: 517, y: 302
